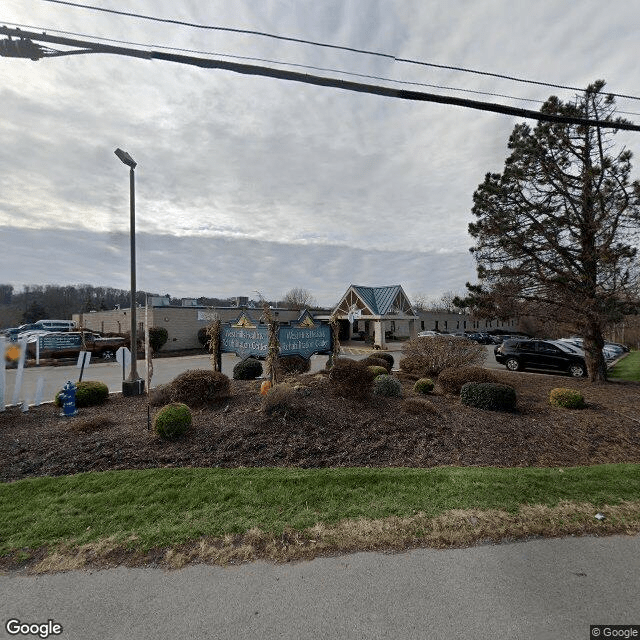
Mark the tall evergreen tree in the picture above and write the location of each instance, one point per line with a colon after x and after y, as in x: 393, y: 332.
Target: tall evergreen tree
x: 556, y: 231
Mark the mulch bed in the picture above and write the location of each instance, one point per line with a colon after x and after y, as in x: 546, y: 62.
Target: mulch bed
x: 333, y: 432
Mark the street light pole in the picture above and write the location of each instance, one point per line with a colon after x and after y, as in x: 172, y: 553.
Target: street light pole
x: 133, y: 385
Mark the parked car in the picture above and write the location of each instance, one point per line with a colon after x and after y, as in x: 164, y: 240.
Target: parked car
x: 521, y: 354
x: 428, y: 334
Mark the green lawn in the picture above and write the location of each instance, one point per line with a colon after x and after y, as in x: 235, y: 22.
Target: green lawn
x: 164, y: 507
x: 628, y: 368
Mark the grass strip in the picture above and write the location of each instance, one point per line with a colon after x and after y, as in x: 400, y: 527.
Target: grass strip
x: 155, y: 508
x: 628, y: 368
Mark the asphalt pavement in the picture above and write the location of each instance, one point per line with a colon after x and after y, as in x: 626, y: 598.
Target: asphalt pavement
x: 536, y: 590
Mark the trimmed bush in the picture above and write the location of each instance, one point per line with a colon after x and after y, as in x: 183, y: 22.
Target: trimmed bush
x: 377, y: 371
x: 386, y: 385
x: 427, y: 357
x: 451, y: 380
x: 419, y: 406
x: 283, y: 401
x: 88, y: 394
x: 293, y: 364
x: 196, y: 387
x: 488, y: 395
x: 374, y: 361
x: 160, y: 395
x: 350, y: 379
x: 567, y: 398
x: 424, y: 385
x: 172, y: 420
x: 247, y: 369
x: 384, y: 355
x: 158, y: 337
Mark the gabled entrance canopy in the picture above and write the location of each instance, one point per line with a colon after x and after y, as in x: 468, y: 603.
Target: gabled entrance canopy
x: 378, y: 304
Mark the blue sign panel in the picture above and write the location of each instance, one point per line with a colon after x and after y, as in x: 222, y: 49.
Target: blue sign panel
x: 245, y: 338
x: 304, y: 341
x: 303, y: 337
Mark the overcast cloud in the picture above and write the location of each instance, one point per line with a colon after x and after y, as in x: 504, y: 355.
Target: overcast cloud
x: 246, y: 183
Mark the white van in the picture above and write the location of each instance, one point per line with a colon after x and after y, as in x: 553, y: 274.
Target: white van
x: 55, y: 325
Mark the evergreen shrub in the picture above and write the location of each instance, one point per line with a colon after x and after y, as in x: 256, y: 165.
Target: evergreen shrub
x: 423, y: 385
x: 488, y: 395
x: 567, y: 398
x: 172, y: 420
x: 247, y: 369
x: 386, y: 385
x: 88, y: 393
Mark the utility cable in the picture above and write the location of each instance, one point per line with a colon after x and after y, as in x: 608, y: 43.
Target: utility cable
x: 290, y: 64
x: 330, y: 46
x: 321, y: 81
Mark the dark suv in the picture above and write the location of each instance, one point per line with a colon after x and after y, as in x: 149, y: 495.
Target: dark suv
x: 517, y: 355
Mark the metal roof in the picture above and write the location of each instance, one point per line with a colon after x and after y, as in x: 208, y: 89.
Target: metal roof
x: 378, y: 299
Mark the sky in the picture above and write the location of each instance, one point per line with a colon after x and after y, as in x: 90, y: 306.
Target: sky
x: 249, y: 184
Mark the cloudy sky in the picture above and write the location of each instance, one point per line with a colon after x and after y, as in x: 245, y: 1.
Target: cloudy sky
x: 247, y: 183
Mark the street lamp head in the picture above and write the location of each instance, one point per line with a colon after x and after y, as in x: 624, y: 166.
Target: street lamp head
x: 126, y: 158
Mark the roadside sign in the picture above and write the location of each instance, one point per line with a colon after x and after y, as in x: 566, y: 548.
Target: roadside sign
x: 83, y: 361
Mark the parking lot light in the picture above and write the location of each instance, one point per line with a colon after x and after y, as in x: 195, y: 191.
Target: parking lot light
x: 134, y: 384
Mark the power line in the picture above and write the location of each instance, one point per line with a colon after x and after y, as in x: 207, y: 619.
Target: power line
x: 297, y: 65
x: 290, y: 64
x: 320, y: 81
x: 330, y: 46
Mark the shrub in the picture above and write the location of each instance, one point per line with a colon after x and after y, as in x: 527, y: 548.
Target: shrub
x: 160, y: 395
x: 247, y: 369
x: 488, y: 395
x: 424, y: 385
x: 374, y: 361
x: 429, y: 356
x: 567, y: 398
x: 158, y: 337
x: 377, y: 371
x: 386, y: 385
x: 451, y: 380
x: 172, y: 420
x: 384, y: 355
x: 199, y: 386
x: 419, y: 406
x: 350, y: 379
x: 88, y: 394
x: 282, y: 400
x: 293, y: 364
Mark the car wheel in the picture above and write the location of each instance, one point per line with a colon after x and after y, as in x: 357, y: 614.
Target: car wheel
x: 108, y: 355
x: 577, y: 371
x: 513, y: 364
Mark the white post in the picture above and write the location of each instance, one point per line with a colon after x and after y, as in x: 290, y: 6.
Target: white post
x: 16, y: 391
x: 39, y: 391
x: 3, y: 371
x: 37, y: 351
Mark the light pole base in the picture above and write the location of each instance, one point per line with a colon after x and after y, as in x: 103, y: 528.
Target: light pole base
x: 133, y: 387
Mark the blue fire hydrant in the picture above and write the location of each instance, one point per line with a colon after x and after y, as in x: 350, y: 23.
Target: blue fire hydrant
x: 68, y: 398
